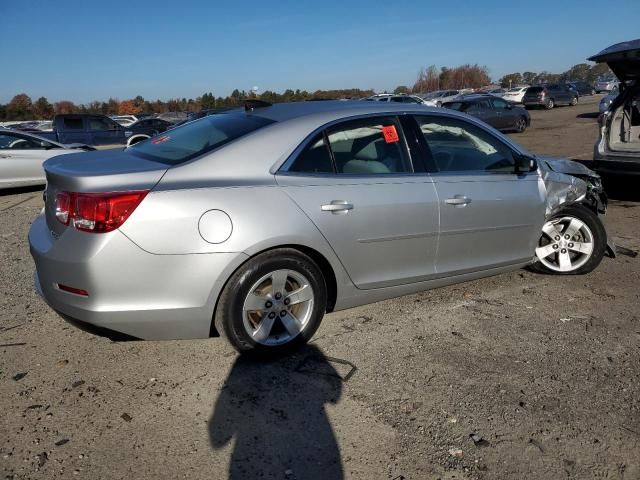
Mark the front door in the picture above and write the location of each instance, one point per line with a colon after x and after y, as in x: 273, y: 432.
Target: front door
x: 489, y: 215
x: 356, y: 183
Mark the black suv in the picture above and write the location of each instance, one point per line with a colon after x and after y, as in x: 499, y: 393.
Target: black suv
x: 548, y: 96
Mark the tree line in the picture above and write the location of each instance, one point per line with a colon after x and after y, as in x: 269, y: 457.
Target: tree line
x: 579, y: 72
x: 21, y: 106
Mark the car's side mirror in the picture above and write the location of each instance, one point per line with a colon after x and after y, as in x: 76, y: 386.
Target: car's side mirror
x: 524, y: 164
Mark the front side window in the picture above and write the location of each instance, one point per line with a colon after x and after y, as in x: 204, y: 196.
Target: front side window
x: 458, y: 146
x: 101, y: 124
x: 195, y: 138
x: 369, y: 146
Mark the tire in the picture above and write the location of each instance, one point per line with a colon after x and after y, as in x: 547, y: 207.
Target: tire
x: 521, y: 125
x: 550, y: 104
x: 581, y: 253
x: 574, y: 101
x: 248, y: 301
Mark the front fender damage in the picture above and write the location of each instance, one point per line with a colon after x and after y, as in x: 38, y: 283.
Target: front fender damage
x: 566, y: 182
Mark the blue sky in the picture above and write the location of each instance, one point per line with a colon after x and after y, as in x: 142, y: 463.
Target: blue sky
x: 84, y: 50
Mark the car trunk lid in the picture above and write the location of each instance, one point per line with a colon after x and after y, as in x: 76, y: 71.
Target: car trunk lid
x: 623, y: 59
x: 96, y: 172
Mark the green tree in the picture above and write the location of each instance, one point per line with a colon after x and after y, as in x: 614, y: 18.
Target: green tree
x: 42, y: 109
x: 401, y: 89
x: 511, y: 80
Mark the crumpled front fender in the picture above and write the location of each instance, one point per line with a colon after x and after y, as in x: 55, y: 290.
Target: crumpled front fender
x: 561, y: 190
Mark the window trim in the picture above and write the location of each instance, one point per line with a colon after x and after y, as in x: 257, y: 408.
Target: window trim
x: 283, y: 169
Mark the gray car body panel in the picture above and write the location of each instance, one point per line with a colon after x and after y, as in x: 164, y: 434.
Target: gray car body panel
x: 160, y: 275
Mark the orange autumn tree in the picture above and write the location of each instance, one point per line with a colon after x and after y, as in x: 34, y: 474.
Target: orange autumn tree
x: 128, y: 107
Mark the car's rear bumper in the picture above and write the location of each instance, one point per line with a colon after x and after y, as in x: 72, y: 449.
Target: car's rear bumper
x: 616, y: 166
x: 533, y: 103
x: 130, y: 291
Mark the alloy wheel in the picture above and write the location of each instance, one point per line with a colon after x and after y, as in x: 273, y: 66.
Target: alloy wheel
x: 278, y: 307
x: 521, y: 125
x: 566, y: 244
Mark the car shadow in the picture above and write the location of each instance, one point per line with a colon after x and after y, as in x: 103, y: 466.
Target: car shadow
x: 588, y: 115
x: 17, y: 190
x: 274, y: 413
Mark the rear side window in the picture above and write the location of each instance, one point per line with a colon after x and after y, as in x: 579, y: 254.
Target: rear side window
x: 193, y: 139
x: 315, y: 158
x: 459, y: 146
x: 70, y: 123
x: 369, y: 146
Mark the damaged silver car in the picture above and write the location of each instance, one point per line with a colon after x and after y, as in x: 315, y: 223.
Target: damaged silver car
x: 252, y: 224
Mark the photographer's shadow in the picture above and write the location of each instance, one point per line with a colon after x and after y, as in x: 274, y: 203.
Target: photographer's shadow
x: 273, y: 411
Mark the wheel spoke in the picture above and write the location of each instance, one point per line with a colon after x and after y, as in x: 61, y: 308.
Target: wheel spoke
x: 544, y: 252
x: 565, y: 261
x: 301, y: 295
x: 550, y: 230
x: 574, y: 226
x: 255, y: 302
x: 278, y: 281
x: 264, y: 329
x: 291, y: 323
x: 582, y: 247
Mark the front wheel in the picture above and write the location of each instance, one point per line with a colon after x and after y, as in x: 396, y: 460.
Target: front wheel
x: 572, y: 242
x: 521, y: 125
x: 272, y: 303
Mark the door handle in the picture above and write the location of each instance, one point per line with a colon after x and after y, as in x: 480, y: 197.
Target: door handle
x: 337, y: 206
x: 458, y: 201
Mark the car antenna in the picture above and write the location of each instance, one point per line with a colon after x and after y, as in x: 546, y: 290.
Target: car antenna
x: 253, y: 103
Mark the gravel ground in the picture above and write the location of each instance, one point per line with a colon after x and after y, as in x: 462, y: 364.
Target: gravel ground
x: 519, y: 376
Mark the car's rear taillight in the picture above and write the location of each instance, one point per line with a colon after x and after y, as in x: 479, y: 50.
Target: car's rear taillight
x: 97, y: 212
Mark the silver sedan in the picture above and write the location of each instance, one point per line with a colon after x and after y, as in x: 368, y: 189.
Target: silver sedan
x: 254, y: 223
x: 22, y: 155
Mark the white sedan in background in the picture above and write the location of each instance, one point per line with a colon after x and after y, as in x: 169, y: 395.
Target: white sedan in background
x: 22, y: 155
x: 514, y: 94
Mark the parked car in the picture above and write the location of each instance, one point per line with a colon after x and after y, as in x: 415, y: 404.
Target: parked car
x: 497, y: 112
x: 515, y: 94
x: 605, y: 102
x: 254, y: 223
x: 22, y: 155
x: 401, y: 99
x: 89, y: 129
x: 605, y: 85
x: 617, y: 150
x: 149, y: 126
x: 444, y: 96
x: 583, y: 88
x: 548, y: 96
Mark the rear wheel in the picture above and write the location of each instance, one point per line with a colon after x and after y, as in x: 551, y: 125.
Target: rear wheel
x: 550, y: 104
x: 573, y: 242
x: 273, y: 303
x: 574, y: 101
x: 593, y: 92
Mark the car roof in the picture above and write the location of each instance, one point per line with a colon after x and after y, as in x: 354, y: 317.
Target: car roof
x: 281, y: 112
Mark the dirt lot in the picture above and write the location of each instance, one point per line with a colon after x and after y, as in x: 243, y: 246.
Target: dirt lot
x: 544, y: 370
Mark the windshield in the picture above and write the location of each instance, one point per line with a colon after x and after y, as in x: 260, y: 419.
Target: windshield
x: 192, y: 139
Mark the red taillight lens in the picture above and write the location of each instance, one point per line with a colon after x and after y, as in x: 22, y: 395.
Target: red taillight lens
x: 75, y: 291
x: 97, y: 212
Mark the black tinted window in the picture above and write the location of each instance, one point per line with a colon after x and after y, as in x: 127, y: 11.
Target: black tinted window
x: 458, y: 146
x: 534, y: 89
x: 369, y: 146
x: 192, y: 139
x: 71, y: 123
x: 314, y: 159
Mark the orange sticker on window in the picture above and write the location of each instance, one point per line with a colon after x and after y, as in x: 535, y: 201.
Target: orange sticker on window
x: 390, y: 134
x: 161, y: 139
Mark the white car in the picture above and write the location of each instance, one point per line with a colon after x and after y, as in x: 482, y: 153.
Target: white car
x: 606, y: 85
x: 515, y: 94
x: 22, y: 155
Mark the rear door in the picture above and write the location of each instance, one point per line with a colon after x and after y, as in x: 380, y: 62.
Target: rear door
x: 356, y: 181
x: 503, y: 113
x: 489, y: 216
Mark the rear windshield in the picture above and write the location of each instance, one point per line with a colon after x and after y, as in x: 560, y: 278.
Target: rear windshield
x: 192, y: 139
x: 534, y: 89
